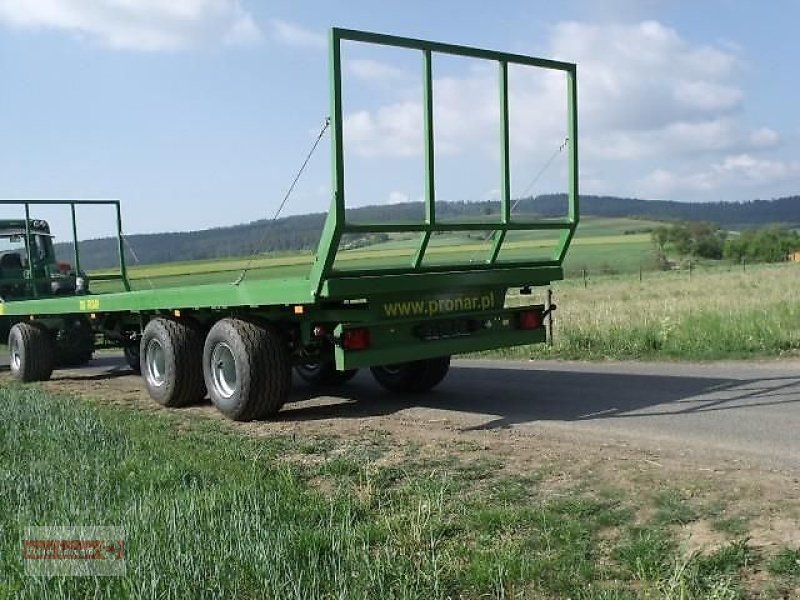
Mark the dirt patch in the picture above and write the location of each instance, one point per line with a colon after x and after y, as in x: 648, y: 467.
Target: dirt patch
x: 700, y: 536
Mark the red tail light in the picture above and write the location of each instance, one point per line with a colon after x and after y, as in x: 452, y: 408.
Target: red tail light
x: 356, y: 339
x: 529, y: 319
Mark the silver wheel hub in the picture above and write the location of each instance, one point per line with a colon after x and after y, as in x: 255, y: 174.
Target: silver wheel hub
x: 156, y: 363
x: 223, y: 371
x: 16, y: 355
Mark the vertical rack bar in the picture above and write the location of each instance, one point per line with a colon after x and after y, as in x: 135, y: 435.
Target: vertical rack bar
x: 75, y: 250
x: 572, y: 134
x: 28, y: 240
x: 336, y: 129
x: 505, y: 165
x: 332, y: 232
x: 123, y: 269
x: 430, y: 160
x: 572, y: 91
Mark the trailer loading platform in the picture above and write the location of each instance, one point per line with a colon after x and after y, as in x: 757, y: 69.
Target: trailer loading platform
x: 238, y: 341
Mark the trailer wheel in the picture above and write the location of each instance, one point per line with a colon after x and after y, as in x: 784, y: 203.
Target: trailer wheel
x: 246, y: 368
x: 171, y: 355
x: 133, y: 358
x: 31, y: 352
x: 324, y: 374
x: 76, y: 346
x: 412, y: 377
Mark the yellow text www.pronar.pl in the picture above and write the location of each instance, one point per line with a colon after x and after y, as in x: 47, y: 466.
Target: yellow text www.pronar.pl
x: 436, y: 306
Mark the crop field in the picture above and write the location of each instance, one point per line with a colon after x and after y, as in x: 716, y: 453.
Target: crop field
x: 602, y: 245
x: 227, y: 512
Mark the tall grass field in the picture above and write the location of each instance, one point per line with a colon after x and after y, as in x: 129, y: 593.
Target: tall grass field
x: 712, y: 313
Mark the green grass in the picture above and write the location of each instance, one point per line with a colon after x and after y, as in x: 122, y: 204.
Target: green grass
x: 786, y: 562
x: 210, y: 512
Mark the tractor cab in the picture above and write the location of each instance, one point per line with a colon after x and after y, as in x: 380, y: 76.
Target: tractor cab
x: 28, y: 265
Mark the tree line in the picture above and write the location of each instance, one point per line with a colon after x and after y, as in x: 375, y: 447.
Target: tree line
x: 706, y: 240
x: 302, y: 232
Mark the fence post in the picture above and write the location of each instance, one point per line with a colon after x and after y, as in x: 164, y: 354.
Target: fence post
x: 585, y: 284
x: 744, y: 264
x: 549, y: 323
x: 690, y: 269
x: 640, y: 272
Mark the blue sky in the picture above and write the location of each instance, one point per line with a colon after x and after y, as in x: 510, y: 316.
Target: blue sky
x: 197, y: 113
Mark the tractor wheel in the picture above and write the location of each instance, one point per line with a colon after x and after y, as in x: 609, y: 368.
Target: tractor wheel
x: 75, y: 344
x: 171, y: 358
x: 31, y: 351
x: 246, y: 368
x: 412, y: 377
x: 133, y: 358
x: 324, y: 374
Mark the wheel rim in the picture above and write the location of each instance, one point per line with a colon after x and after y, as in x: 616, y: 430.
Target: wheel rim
x: 309, y: 368
x: 156, y: 363
x: 16, y: 355
x: 223, y: 371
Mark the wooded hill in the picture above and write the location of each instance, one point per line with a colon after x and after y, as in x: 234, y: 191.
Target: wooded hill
x: 302, y: 232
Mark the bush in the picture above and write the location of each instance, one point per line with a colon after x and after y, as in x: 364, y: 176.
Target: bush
x: 768, y: 244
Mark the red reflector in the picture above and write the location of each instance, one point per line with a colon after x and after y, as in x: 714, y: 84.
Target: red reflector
x: 529, y: 319
x: 356, y: 339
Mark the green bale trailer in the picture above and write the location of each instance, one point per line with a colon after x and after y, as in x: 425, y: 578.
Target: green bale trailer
x: 238, y: 342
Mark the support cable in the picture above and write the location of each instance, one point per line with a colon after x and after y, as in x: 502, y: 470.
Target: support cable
x: 275, y: 216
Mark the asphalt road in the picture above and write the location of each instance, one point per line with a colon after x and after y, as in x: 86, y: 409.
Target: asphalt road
x: 745, y: 411
x: 742, y: 410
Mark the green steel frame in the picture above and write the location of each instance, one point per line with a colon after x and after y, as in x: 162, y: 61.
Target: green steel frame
x: 336, y: 225
x: 26, y: 204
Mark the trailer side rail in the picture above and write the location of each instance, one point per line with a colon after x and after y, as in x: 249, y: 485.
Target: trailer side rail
x: 26, y: 205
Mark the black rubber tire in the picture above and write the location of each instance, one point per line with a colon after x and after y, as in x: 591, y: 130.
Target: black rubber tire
x: 133, y: 358
x: 31, y: 351
x: 412, y: 377
x: 258, y: 376
x: 324, y: 374
x: 76, y: 347
x: 179, y: 380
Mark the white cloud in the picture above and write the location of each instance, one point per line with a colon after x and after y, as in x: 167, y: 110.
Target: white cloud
x: 645, y: 76
x: 681, y: 138
x: 397, y: 198
x: 764, y: 137
x: 373, y: 70
x: 292, y: 34
x: 645, y: 92
x: 145, y: 25
x: 393, y: 130
x: 732, y: 172
x: 707, y: 96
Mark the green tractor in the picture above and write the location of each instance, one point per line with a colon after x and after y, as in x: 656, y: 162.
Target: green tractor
x: 28, y: 270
